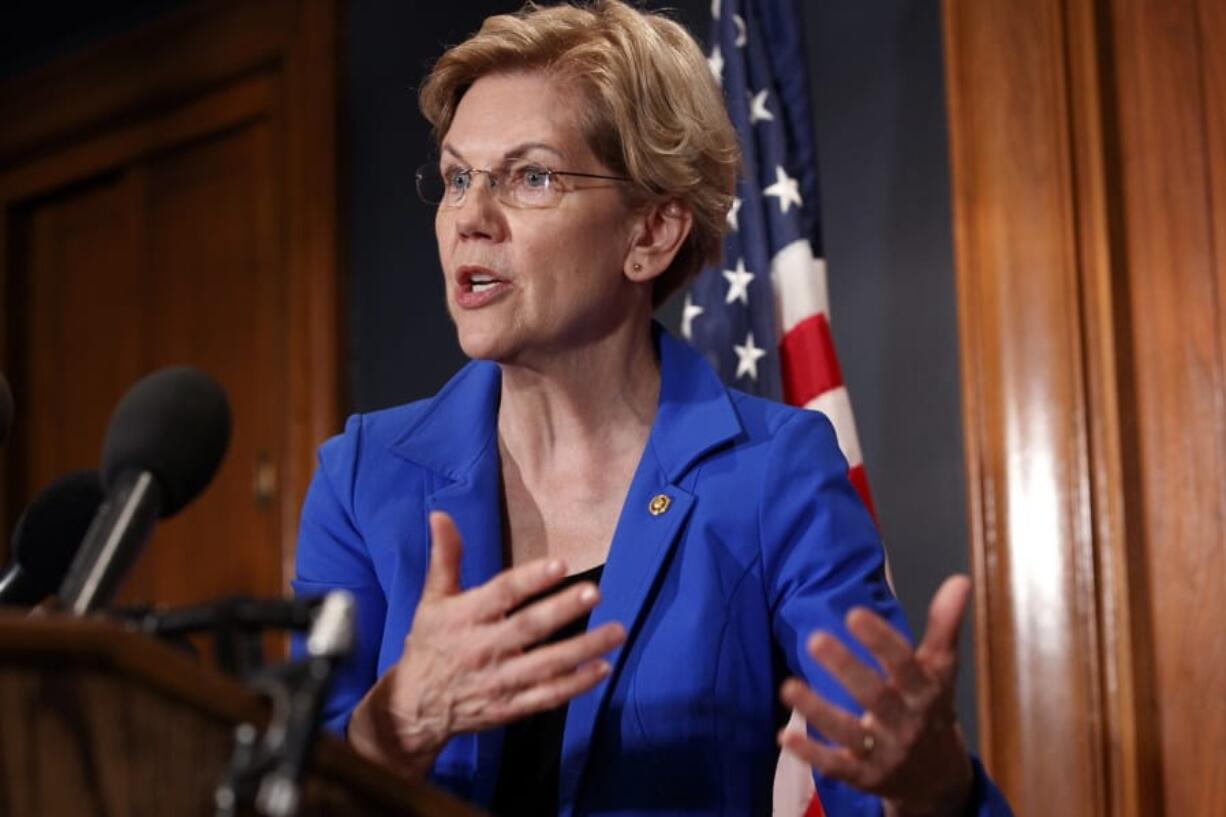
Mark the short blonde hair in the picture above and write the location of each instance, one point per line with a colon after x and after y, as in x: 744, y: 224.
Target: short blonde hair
x: 654, y: 112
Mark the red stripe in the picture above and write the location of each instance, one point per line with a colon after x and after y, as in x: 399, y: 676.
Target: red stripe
x: 810, y: 367
x: 859, y: 481
x: 815, y: 808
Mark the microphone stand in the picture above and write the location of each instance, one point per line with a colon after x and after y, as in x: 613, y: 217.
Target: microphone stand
x: 265, y: 770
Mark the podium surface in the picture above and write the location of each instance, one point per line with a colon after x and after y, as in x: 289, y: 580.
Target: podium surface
x: 95, y: 720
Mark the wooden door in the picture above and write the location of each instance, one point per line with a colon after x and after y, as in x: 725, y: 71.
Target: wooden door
x: 1088, y: 142
x: 159, y: 229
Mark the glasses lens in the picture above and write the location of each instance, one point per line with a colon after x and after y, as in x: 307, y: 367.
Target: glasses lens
x: 430, y: 186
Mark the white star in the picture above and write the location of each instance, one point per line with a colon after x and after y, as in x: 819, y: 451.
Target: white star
x: 785, y: 189
x: 716, y: 63
x: 747, y: 358
x: 740, y: 30
x: 738, y: 283
x: 715, y: 9
x: 758, y: 111
x: 689, y: 312
x: 732, y: 211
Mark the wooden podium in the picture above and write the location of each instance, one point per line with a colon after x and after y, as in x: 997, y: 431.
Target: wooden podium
x: 95, y: 720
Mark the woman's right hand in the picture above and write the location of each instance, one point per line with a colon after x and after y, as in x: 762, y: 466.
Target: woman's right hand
x: 469, y: 662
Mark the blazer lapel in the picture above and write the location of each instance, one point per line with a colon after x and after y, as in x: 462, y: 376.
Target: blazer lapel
x: 457, y: 440
x: 694, y: 417
x: 474, y: 505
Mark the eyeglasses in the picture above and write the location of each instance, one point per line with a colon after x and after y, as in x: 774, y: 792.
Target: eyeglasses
x: 519, y: 184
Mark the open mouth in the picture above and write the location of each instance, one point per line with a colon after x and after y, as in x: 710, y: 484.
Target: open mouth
x: 482, y: 283
x: 479, y: 286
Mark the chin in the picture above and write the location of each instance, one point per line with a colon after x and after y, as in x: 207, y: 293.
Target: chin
x: 483, y: 342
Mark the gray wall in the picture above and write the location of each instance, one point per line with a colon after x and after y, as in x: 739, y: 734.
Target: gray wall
x: 879, y: 103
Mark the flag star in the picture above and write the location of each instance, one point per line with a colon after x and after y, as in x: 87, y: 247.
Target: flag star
x: 758, y: 111
x: 716, y: 62
x: 689, y: 312
x: 738, y: 283
x: 785, y: 189
x: 732, y: 212
x: 740, y: 30
x: 747, y: 358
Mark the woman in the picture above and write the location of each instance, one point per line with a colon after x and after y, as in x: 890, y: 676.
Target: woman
x: 585, y: 569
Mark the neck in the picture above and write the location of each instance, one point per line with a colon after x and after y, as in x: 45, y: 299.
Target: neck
x: 593, y: 403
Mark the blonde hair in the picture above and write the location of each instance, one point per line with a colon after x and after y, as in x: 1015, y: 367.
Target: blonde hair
x: 654, y: 112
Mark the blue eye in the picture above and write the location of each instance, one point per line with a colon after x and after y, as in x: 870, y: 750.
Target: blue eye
x: 457, y: 180
x: 534, y: 177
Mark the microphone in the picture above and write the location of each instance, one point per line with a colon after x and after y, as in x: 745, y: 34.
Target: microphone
x: 47, y: 537
x: 163, y: 445
x: 6, y: 410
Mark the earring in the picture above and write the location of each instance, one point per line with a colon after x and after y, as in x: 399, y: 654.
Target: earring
x: 637, y: 267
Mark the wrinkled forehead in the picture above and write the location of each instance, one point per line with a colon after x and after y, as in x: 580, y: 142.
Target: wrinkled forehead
x: 525, y: 114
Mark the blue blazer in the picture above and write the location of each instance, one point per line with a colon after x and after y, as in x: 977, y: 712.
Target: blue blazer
x: 762, y: 542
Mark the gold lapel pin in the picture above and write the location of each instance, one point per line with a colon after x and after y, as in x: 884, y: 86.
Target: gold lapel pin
x: 658, y: 504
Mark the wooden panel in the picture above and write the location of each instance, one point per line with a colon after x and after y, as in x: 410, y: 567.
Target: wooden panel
x: 1024, y: 407
x: 207, y: 142
x: 204, y: 45
x: 213, y: 298
x: 1163, y: 73
x: 81, y: 307
x: 1089, y: 160
x: 170, y: 260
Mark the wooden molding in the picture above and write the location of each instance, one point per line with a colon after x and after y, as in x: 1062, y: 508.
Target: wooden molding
x: 1036, y: 243
x: 1089, y: 178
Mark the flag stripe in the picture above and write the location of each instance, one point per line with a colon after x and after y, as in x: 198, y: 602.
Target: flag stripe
x: 836, y: 405
x: 799, y: 282
x: 769, y: 295
x: 859, y: 481
x: 810, y: 366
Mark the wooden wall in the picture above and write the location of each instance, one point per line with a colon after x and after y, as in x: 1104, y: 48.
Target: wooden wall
x: 1088, y: 145
x: 168, y: 197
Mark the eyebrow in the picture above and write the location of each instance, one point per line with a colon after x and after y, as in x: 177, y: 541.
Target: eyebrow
x: 516, y: 152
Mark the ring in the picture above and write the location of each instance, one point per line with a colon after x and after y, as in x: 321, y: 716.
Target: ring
x: 868, y: 742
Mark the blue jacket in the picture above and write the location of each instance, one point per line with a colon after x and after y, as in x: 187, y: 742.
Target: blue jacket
x: 762, y: 542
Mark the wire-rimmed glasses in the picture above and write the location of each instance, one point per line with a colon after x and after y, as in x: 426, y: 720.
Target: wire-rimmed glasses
x: 517, y: 184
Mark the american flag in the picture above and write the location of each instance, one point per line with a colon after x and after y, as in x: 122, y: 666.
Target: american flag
x: 762, y: 316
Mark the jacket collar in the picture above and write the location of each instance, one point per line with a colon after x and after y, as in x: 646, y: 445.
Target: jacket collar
x: 693, y: 417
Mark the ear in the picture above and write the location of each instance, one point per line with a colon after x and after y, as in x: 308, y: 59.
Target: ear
x: 658, y: 235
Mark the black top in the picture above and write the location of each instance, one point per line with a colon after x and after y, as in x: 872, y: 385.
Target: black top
x: 532, y: 748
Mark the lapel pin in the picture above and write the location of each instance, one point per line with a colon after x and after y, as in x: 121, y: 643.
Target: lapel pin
x: 658, y: 504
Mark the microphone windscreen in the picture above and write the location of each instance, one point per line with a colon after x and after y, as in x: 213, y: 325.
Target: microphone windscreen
x: 175, y: 424
x: 50, y: 530
x: 6, y: 410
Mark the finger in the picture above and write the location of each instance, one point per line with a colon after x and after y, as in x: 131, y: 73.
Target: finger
x: 939, y: 648
x: 864, y: 685
x: 512, y: 587
x: 443, y: 573
x: 893, y: 652
x: 540, y: 619
x: 830, y: 761
x: 555, y: 692
x: 548, y: 662
x: 837, y: 725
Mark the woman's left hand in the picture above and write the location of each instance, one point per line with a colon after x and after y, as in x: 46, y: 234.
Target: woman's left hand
x: 906, y: 747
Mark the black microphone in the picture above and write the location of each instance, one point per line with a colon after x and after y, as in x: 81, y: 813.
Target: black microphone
x: 47, y: 536
x: 6, y: 410
x: 163, y: 445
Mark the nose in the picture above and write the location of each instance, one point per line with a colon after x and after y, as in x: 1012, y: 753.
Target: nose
x: 480, y: 215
